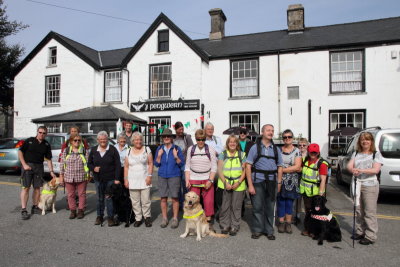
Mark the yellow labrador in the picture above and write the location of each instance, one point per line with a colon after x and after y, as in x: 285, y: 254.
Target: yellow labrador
x: 195, y: 218
x: 48, y: 196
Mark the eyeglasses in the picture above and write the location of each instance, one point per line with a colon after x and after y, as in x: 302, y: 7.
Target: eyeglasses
x: 200, y: 140
x: 42, y: 133
x: 77, y: 140
x: 287, y: 137
x: 302, y: 145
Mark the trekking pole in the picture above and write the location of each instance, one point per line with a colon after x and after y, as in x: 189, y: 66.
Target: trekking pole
x: 354, y: 209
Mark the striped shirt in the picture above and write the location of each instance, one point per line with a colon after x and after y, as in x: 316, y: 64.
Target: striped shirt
x: 73, y: 171
x: 200, y: 166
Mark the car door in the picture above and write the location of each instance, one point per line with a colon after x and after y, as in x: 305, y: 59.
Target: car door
x: 346, y: 174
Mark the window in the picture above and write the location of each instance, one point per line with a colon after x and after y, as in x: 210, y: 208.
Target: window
x: 160, y: 122
x: 53, y: 127
x: 52, y: 56
x: 244, y: 78
x: 339, y: 119
x: 113, y: 86
x: 163, y: 41
x: 293, y: 92
x: 160, y: 81
x: 250, y: 120
x: 53, y: 89
x: 347, y: 72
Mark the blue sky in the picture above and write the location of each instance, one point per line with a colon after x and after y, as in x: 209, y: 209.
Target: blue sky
x: 191, y: 16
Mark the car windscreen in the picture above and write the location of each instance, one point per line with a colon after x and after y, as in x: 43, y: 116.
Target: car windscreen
x: 8, y: 143
x: 92, y: 140
x: 390, y: 145
x: 55, y: 141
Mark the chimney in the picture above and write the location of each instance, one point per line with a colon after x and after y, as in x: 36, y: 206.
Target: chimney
x: 295, y: 18
x: 217, y: 24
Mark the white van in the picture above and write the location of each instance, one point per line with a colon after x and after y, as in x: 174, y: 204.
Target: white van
x: 387, y: 142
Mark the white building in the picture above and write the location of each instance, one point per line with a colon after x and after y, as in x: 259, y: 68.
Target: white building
x: 309, y: 79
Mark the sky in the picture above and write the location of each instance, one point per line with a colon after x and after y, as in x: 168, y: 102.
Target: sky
x: 243, y: 17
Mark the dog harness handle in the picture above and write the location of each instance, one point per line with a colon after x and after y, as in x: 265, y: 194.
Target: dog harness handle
x: 322, y: 217
x: 194, y: 216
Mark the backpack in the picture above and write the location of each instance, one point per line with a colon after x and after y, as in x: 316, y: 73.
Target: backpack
x: 129, y: 150
x: 239, y: 156
x: 259, y: 155
x: 207, y: 152
x: 378, y: 175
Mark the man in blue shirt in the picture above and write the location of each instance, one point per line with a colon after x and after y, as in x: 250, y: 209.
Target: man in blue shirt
x: 263, y: 173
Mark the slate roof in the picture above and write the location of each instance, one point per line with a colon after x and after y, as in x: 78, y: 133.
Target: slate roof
x: 356, y: 34
x: 90, y: 114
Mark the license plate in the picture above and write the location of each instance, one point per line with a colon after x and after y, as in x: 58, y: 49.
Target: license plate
x: 2, y: 154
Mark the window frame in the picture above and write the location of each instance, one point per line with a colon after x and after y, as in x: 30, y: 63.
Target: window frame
x: 104, y: 88
x: 364, y: 111
x: 159, y: 42
x: 363, y: 68
x: 153, y: 137
x: 46, y: 102
x: 231, y: 76
x: 50, y: 57
x: 245, y: 113
x: 170, y: 81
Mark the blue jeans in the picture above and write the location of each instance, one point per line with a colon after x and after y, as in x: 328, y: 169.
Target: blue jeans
x: 183, y: 190
x: 263, y: 207
x: 285, y: 206
x: 100, y: 189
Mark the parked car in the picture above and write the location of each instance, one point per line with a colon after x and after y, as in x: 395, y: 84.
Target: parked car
x: 57, y: 139
x: 9, y: 154
x: 387, y: 142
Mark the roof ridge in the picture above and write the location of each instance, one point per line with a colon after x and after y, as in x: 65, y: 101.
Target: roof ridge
x: 69, y: 39
x: 129, y: 47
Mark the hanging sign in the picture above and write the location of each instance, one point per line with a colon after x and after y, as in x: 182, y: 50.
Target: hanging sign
x: 182, y: 104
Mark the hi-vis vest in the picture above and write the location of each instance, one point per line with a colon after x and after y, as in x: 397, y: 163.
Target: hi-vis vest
x: 232, y: 170
x: 81, y: 154
x: 310, y: 181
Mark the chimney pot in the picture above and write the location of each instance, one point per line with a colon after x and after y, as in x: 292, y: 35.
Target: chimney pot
x: 295, y: 18
x: 217, y: 24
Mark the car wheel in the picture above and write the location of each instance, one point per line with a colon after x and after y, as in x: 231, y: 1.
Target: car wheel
x: 339, y: 178
x: 2, y: 171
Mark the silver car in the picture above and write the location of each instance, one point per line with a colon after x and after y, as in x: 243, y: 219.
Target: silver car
x: 9, y: 154
x: 387, y: 142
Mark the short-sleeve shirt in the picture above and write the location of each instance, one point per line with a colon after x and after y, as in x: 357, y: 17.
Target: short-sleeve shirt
x: 264, y: 163
x: 323, y: 168
x: 366, y: 161
x: 35, y: 152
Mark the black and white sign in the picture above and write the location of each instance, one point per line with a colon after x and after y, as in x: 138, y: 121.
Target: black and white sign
x: 181, y: 104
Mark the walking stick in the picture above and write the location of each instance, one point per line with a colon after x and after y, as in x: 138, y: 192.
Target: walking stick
x: 354, y: 210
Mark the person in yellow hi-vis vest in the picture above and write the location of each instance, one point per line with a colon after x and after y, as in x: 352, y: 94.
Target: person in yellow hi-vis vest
x: 232, y: 174
x: 313, y: 180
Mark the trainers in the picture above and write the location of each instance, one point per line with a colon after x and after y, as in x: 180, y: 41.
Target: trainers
x: 81, y: 214
x: 35, y: 210
x: 174, y: 223
x: 73, y: 214
x: 24, y: 215
x: 164, y: 223
x: 233, y: 231
x: 281, y: 227
x: 147, y: 222
x: 288, y: 228
x: 99, y: 220
x: 225, y: 231
x: 111, y: 222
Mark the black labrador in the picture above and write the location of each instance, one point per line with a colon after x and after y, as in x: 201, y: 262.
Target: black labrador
x: 323, y: 225
x: 121, y: 203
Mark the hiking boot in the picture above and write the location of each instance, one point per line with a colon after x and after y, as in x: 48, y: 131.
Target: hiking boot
x: 288, y: 228
x: 281, y: 227
x: 233, y: 231
x: 147, y: 222
x: 111, y: 222
x: 137, y: 223
x: 99, y: 220
x: 35, y: 210
x: 357, y: 237
x: 24, y: 215
x: 164, y: 223
x: 271, y: 237
x: 81, y: 214
x: 73, y: 214
x: 174, y: 223
x: 366, y: 241
x: 225, y: 231
x: 256, y: 235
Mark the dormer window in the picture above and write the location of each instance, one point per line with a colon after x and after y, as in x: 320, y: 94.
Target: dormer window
x: 52, y: 56
x: 163, y: 41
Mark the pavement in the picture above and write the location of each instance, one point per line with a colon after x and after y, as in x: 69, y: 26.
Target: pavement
x: 54, y: 240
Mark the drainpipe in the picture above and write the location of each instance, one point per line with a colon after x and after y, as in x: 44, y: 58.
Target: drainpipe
x: 309, y: 120
x: 202, y: 114
x: 279, y: 92
x: 127, y: 97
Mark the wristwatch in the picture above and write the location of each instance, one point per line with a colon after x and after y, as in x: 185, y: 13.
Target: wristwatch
x: 211, y: 181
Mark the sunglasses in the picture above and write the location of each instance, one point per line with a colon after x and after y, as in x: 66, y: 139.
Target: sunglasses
x: 313, y: 153
x: 302, y: 145
x: 42, y: 133
x: 242, y: 133
x: 77, y: 140
x: 287, y: 137
x: 166, y: 136
x: 200, y: 140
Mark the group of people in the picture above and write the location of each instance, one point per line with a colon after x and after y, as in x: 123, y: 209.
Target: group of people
x: 220, y: 173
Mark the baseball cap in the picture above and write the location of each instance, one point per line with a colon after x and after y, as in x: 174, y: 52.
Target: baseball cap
x: 313, y: 148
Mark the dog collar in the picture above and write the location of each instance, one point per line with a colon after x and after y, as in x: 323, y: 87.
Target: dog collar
x: 322, y: 217
x: 48, y: 192
x: 194, y: 216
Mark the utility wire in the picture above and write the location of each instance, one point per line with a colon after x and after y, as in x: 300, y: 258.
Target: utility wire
x: 100, y: 14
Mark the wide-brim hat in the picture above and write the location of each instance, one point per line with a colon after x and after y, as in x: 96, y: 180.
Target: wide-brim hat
x: 168, y: 132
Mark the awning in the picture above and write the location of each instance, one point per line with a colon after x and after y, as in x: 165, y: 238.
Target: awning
x: 91, y: 114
